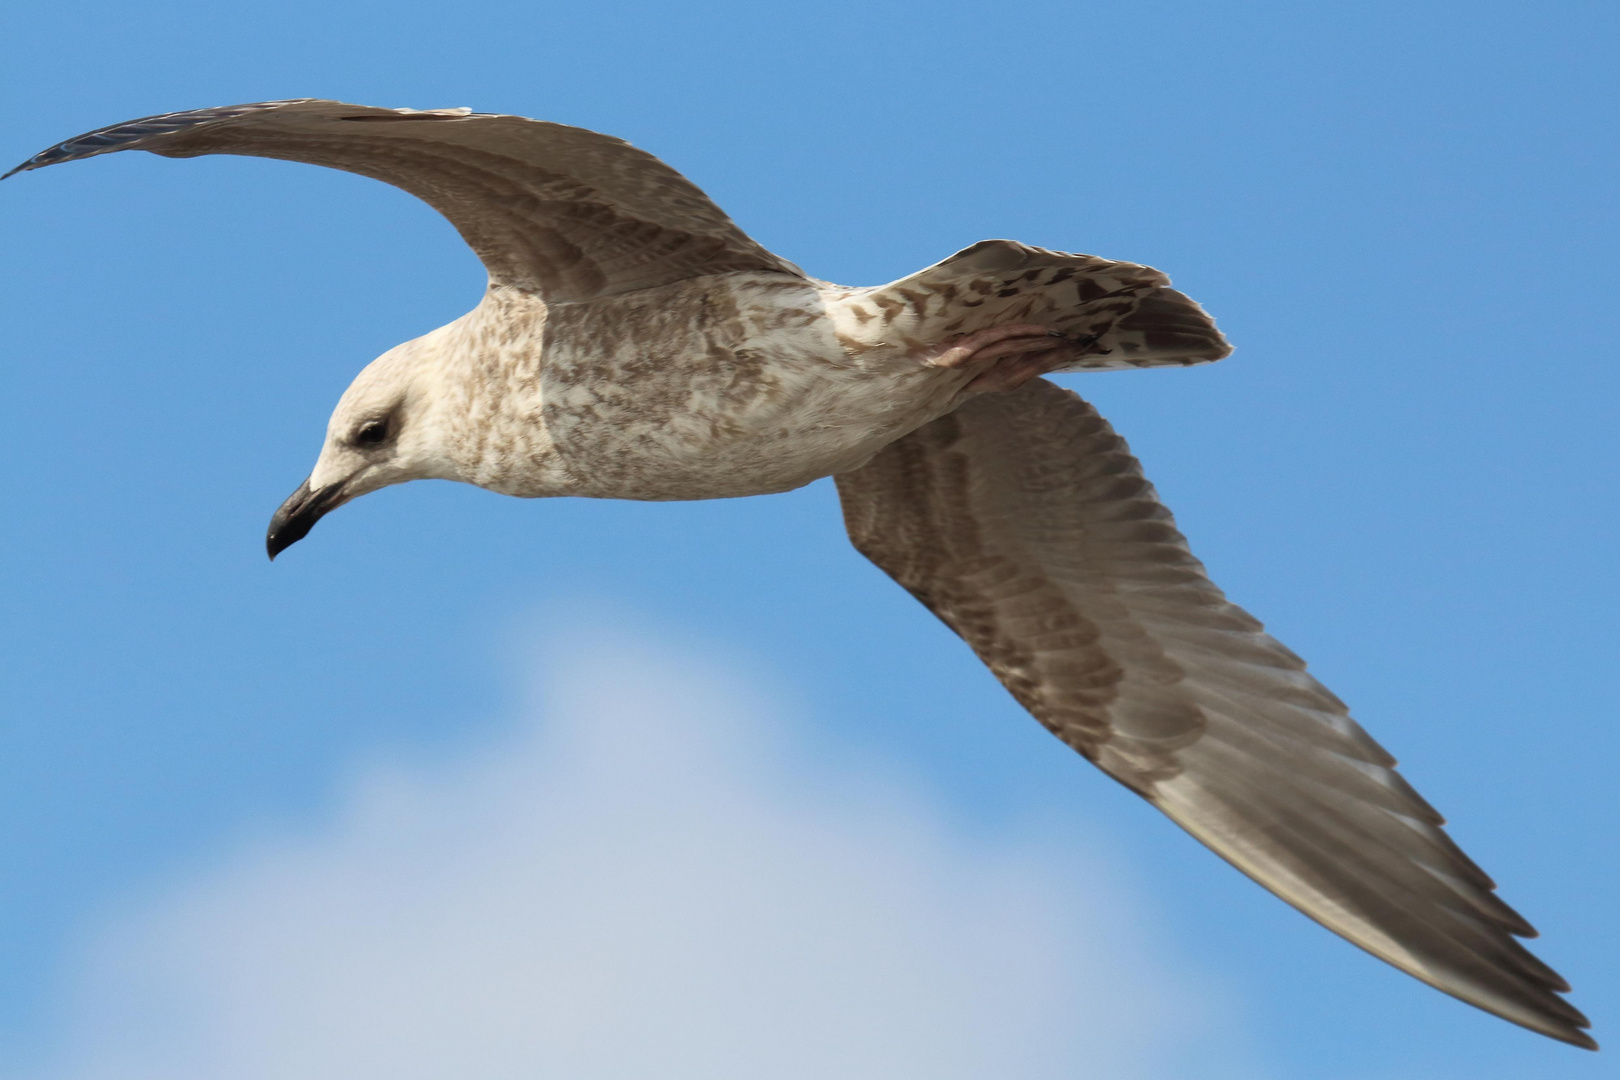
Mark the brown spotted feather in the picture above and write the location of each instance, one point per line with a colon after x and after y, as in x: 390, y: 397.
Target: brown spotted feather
x: 1128, y: 312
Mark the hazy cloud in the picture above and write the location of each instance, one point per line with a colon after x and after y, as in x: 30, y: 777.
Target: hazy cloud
x: 646, y: 877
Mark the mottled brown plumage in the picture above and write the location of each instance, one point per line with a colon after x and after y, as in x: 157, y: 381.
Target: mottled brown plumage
x: 634, y: 343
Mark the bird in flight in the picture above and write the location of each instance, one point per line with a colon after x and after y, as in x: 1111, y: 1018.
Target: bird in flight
x: 634, y: 343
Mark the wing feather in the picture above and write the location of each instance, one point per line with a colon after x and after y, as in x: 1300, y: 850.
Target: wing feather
x: 1025, y: 524
x: 560, y: 211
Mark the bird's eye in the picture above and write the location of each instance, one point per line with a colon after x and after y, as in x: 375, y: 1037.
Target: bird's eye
x: 373, y: 433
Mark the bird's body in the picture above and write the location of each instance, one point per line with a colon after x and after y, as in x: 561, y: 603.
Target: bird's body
x: 635, y: 344
x: 711, y: 388
x: 742, y: 383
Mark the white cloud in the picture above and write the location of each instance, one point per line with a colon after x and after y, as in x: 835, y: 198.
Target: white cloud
x: 647, y: 879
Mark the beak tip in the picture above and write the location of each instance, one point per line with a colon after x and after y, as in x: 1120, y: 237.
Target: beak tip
x: 298, y: 515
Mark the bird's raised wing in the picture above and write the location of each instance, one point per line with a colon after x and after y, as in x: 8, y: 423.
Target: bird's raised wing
x: 560, y: 211
x: 1024, y: 523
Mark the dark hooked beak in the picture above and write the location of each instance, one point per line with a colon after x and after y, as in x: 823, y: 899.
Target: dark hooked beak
x: 299, y: 514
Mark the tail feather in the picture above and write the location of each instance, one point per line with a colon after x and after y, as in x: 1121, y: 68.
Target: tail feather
x: 1134, y: 317
x: 1167, y: 327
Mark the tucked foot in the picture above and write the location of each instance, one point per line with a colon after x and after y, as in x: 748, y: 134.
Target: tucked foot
x: 1006, y: 357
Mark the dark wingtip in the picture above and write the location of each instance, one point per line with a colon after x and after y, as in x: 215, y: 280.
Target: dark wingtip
x: 134, y: 134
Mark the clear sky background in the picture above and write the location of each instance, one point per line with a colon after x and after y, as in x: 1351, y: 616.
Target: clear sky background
x: 464, y: 785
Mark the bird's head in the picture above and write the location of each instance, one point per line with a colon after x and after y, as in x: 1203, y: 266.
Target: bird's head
x: 385, y: 430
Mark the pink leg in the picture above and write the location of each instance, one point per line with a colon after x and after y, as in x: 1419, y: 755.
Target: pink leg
x: 1006, y: 357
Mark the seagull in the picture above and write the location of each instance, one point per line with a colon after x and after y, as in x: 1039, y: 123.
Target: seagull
x: 634, y: 343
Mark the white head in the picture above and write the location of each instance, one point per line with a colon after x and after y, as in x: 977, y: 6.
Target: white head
x: 389, y: 427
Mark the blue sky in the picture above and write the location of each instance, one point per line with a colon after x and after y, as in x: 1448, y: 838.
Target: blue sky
x: 1402, y: 214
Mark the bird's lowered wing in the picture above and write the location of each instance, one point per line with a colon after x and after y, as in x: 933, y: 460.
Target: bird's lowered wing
x: 1024, y: 523
x: 560, y: 211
